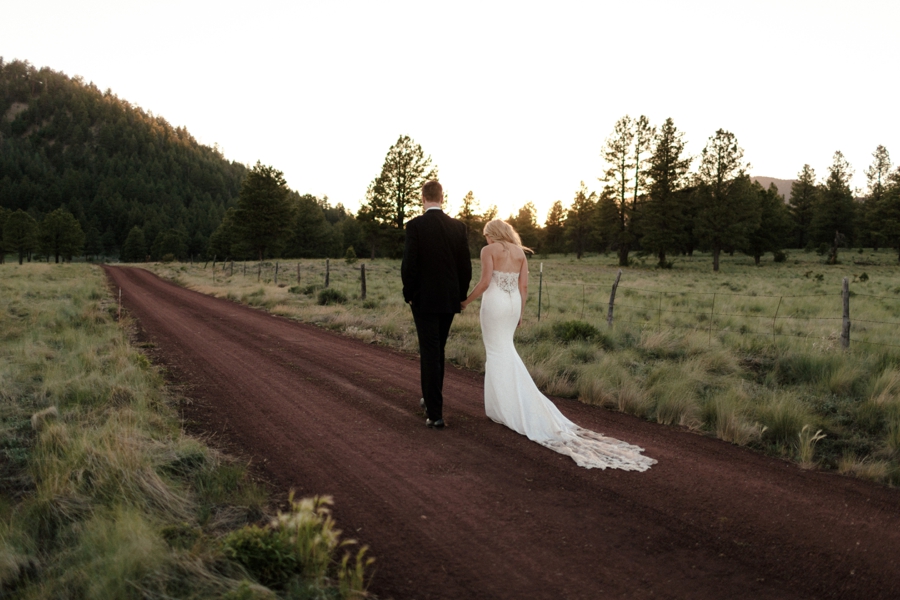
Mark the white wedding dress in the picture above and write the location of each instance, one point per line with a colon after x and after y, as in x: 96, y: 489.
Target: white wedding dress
x: 512, y: 399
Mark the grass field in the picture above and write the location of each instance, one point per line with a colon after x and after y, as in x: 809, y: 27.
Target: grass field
x: 102, y: 495
x: 749, y: 354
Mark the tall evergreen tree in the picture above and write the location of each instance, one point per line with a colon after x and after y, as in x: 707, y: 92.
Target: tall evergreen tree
x: 470, y: 214
x: 525, y: 223
x: 4, y: 215
x: 61, y: 234
x: 803, y: 199
x: 772, y: 232
x: 554, y: 229
x: 263, y: 213
x: 619, y: 175
x: 20, y: 234
x: 312, y: 236
x: 889, y: 210
x: 134, y: 249
x: 580, y: 220
x: 833, y: 219
x: 664, y: 213
x: 404, y: 172
x: 877, y: 178
x: 726, y: 213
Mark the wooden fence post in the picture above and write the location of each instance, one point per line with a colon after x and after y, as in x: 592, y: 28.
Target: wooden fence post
x: 540, y: 290
x: 276, y: 273
x: 775, y: 318
x: 362, y: 279
x: 119, y: 317
x: 298, y: 273
x: 845, y: 329
x: 231, y: 274
x: 712, y: 312
x: 612, y: 299
x: 327, y: 271
x: 259, y: 271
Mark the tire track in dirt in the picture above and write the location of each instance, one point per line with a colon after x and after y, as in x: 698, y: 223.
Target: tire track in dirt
x: 478, y: 511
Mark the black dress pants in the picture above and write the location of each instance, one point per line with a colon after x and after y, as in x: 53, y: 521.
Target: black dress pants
x: 432, y: 330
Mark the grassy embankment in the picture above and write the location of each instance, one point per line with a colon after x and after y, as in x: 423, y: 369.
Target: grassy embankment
x: 749, y: 354
x: 102, y: 495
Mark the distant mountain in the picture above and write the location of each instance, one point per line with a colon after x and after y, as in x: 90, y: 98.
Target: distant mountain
x: 783, y: 185
x: 111, y: 164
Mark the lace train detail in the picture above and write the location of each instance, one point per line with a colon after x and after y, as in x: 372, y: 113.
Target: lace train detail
x: 512, y: 399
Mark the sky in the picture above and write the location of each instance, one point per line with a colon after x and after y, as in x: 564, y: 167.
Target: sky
x: 512, y: 100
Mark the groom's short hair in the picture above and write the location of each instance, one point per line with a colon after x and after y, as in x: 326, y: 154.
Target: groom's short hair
x: 432, y: 191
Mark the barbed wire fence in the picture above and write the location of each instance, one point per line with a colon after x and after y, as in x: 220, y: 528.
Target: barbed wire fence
x: 312, y: 274
x: 685, y: 310
x: 715, y: 312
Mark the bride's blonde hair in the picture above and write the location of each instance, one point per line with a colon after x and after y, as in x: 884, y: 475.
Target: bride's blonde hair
x: 502, y: 231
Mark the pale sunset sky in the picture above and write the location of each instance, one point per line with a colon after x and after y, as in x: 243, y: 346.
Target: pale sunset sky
x: 512, y: 100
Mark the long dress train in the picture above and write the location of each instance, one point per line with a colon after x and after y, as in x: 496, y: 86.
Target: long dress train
x: 512, y: 399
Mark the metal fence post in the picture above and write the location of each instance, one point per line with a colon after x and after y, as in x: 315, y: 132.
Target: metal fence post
x: 540, y: 290
x: 845, y: 328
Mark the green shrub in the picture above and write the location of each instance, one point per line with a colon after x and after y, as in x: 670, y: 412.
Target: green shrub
x: 331, y: 296
x: 350, y: 255
x: 779, y: 256
x: 570, y: 331
x: 298, y: 544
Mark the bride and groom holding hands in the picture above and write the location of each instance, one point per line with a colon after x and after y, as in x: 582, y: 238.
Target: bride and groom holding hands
x: 436, y: 273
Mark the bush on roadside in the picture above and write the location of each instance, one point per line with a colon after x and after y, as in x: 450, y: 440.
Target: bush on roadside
x: 331, y: 296
x: 298, y: 545
x: 570, y: 331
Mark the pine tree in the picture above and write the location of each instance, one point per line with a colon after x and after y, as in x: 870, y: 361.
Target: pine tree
x: 404, y: 172
x: 525, y: 223
x: 61, y: 234
x: 774, y: 222
x: 664, y: 213
x: 618, y: 156
x: 726, y: 212
x: 20, y: 234
x: 889, y: 210
x: 803, y: 199
x: 263, y: 213
x: 832, y: 222
x: 554, y: 229
x: 4, y: 215
x: 134, y: 249
x: 470, y: 214
x: 580, y: 220
x: 877, y: 178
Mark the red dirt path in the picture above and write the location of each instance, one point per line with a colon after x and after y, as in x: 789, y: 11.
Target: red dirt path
x: 478, y: 511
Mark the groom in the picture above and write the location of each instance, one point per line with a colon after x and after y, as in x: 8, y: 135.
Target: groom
x: 436, y: 273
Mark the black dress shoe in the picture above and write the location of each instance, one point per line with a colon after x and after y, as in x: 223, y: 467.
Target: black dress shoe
x: 439, y: 424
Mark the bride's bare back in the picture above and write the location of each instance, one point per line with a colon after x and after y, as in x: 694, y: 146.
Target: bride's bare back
x: 506, y: 257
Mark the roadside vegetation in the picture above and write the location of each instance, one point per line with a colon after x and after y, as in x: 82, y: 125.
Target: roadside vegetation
x: 103, y: 495
x: 751, y: 354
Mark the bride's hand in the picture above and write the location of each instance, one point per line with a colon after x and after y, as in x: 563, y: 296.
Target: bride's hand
x: 519, y: 323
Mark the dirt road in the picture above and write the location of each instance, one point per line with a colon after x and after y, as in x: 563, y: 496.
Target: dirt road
x: 478, y: 511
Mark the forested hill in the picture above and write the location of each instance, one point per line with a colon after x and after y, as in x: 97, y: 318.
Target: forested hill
x: 114, y: 166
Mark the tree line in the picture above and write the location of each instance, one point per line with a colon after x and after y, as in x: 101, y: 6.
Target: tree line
x: 652, y: 202
x: 83, y: 172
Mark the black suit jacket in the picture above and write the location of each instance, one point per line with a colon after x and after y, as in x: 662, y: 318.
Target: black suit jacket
x: 436, y: 269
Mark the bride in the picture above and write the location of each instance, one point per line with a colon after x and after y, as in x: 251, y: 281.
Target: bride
x: 510, y: 395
